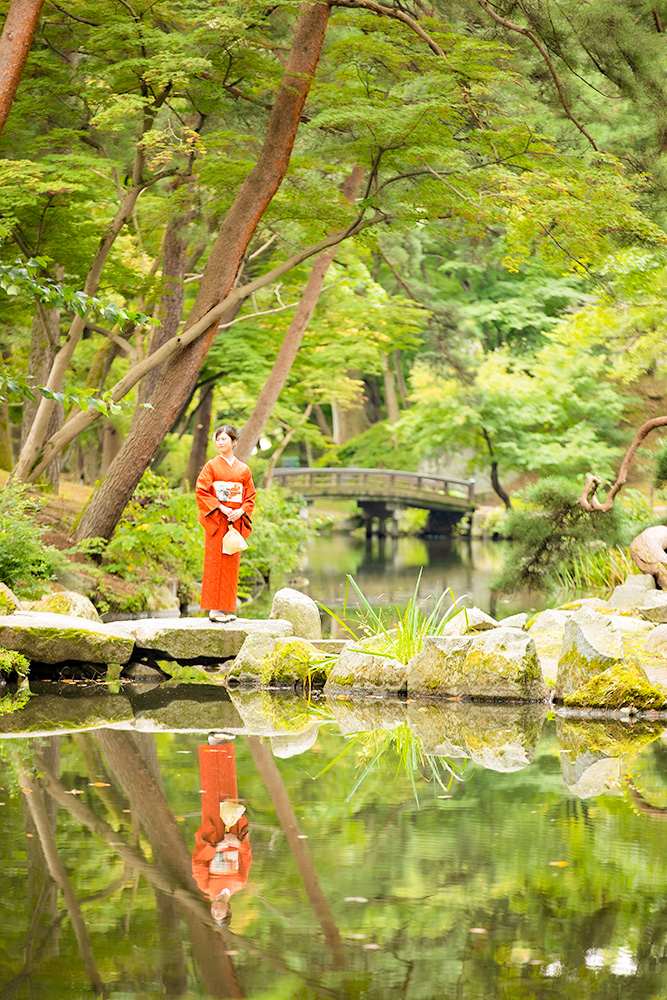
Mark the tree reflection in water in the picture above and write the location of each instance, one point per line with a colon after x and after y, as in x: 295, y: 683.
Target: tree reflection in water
x: 511, y: 884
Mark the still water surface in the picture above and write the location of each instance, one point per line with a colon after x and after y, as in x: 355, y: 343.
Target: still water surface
x: 386, y: 570
x: 545, y: 879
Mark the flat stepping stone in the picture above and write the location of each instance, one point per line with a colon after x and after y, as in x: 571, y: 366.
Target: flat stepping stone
x: 52, y: 638
x: 194, y: 638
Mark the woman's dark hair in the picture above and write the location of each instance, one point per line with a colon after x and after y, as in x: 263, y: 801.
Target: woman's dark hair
x: 228, y: 429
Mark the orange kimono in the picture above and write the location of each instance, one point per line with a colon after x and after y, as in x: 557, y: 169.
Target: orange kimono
x: 230, y: 485
x: 217, y: 766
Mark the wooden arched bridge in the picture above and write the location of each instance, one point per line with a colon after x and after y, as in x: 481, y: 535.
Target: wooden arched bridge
x: 382, y: 493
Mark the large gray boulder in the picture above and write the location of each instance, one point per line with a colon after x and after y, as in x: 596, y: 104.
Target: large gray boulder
x: 184, y: 708
x: 49, y: 638
x: 49, y: 714
x: 653, y: 606
x: 500, y: 663
x: 632, y: 593
x: 194, y: 638
x: 277, y: 662
x: 591, y: 645
x: 547, y: 630
x: 299, y: 609
x: 67, y: 602
x: 519, y: 620
x: 360, y: 668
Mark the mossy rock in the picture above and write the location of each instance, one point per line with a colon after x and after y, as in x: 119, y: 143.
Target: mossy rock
x: 359, y: 668
x: 47, y: 638
x: 68, y: 602
x: 293, y: 661
x: 619, y: 686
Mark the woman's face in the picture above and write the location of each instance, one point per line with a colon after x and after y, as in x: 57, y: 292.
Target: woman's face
x: 224, y: 443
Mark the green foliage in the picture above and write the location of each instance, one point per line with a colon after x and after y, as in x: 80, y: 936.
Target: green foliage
x: 158, y: 535
x: 549, y: 529
x: 279, y: 534
x: 12, y: 662
x: 377, y: 448
x: 660, y: 469
x: 413, y: 521
x: 24, y: 558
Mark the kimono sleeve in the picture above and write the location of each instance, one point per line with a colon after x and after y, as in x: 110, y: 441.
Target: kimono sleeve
x: 249, y: 493
x: 207, y: 501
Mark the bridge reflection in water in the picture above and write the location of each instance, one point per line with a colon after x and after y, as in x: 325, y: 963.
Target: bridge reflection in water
x: 381, y: 494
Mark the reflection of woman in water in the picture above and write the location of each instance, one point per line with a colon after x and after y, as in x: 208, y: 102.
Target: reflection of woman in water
x: 221, y: 858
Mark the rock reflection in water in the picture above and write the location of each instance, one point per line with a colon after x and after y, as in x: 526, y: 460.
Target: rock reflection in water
x: 505, y: 885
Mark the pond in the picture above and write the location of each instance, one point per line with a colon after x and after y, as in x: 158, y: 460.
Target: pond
x: 533, y: 865
x: 386, y: 570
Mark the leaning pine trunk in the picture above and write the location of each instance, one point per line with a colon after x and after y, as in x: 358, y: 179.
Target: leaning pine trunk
x: 245, y: 214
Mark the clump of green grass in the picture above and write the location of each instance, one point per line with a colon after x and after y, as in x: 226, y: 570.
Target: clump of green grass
x: 600, y: 568
x: 402, y: 632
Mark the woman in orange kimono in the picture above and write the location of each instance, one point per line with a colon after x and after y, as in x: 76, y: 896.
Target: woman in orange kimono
x: 221, y: 858
x: 225, y: 495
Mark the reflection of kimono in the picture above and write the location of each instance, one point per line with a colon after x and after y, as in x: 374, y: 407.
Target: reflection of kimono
x: 230, y: 485
x: 217, y: 766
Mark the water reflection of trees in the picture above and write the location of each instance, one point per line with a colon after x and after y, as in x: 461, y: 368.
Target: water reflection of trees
x: 140, y: 829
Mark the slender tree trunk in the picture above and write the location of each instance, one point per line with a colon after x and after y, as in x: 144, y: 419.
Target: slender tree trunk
x: 351, y: 419
x: 174, y: 253
x: 44, y: 344
x: 17, y: 37
x: 322, y: 421
x: 201, y: 432
x: 495, y: 481
x: 282, y: 366
x: 243, y: 217
x: 400, y: 379
x: 390, y: 397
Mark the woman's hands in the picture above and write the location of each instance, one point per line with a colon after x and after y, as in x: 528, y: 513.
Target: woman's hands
x: 235, y: 515
x: 229, y: 840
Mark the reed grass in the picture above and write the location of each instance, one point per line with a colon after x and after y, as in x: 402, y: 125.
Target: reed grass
x: 599, y: 568
x: 402, y: 632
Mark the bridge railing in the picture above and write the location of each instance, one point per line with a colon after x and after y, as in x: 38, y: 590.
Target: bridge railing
x: 377, y: 479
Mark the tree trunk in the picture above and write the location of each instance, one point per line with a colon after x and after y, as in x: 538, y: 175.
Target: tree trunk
x: 44, y: 343
x: 17, y: 37
x: 282, y: 366
x: 174, y: 254
x: 390, y: 396
x: 349, y: 420
x: 400, y: 379
x: 254, y: 196
x: 202, y: 430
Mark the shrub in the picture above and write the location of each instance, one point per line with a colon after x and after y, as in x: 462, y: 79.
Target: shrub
x: 24, y: 557
x: 279, y: 534
x: 549, y: 530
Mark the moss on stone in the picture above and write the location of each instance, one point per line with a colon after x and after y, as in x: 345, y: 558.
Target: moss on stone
x: 7, y: 607
x: 291, y: 661
x: 619, y: 686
